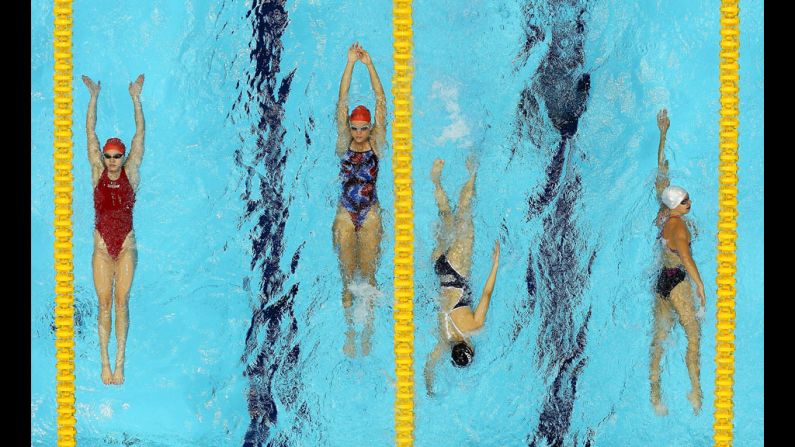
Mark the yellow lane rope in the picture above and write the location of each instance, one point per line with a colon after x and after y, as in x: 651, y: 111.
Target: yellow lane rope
x: 64, y: 277
x: 404, y: 224
x: 727, y: 221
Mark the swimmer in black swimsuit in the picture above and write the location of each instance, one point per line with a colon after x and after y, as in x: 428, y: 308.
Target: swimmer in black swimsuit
x: 452, y: 263
x: 669, y: 278
x: 448, y: 277
x: 673, y: 290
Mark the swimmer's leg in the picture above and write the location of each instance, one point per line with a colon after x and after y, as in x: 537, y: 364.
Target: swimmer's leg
x: 682, y: 299
x: 446, y: 228
x: 344, y: 235
x: 370, y: 235
x: 663, y: 322
x: 460, y: 254
x: 125, y: 270
x: 103, y: 267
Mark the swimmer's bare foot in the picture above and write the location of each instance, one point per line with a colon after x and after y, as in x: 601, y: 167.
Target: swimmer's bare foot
x: 659, y: 408
x: 118, y: 375
x: 436, y: 170
x: 107, y: 375
x: 694, y: 396
x: 367, y: 335
x: 350, y: 344
x: 472, y: 164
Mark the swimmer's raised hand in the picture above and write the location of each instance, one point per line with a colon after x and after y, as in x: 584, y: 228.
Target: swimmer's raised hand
x: 701, y: 295
x: 662, y: 120
x: 136, y: 86
x: 428, y: 375
x: 364, y: 56
x: 436, y: 170
x: 93, y: 87
x: 353, y: 52
x: 472, y: 164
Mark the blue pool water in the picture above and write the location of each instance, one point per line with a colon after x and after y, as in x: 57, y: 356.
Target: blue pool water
x: 236, y: 319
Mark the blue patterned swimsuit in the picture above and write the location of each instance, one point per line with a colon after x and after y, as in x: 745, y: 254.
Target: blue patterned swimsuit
x: 358, y: 172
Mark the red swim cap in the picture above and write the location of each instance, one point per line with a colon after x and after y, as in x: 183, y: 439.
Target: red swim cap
x: 360, y: 113
x: 114, y: 143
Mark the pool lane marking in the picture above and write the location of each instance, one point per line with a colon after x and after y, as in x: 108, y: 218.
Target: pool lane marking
x: 404, y: 224
x: 63, y: 256
x: 727, y: 222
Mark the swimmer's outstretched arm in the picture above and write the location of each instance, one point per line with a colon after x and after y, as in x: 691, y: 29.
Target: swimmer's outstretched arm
x: 379, y: 128
x: 343, y: 131
x: 662, y: 164
x: 91, y: 124
x: 430, y: 365
x: 681, y: 241
x: 478, y: 318
x: 137, y: 145
x: 485, y: 297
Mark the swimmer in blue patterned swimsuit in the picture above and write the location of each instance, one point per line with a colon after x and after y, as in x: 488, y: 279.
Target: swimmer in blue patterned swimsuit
x: 452, y: 263
x: 357, y: 226
x: 673, y: 292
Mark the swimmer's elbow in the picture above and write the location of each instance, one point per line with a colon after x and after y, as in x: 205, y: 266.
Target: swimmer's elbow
x: 477, y: 324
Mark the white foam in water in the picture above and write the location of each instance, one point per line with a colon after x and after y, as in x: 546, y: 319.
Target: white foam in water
x: 106, y: 410
x: 363, y: 295
x: 458, y: 130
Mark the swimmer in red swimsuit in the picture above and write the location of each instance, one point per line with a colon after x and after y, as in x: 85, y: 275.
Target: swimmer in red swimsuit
x: 673, y: 291
x: 357, y: 226
x: 115, y: 179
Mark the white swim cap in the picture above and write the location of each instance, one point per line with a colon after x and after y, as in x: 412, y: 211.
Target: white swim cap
x: 672, y: 196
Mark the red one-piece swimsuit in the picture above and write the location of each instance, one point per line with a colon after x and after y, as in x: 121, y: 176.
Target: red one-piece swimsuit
x: 113, y: 208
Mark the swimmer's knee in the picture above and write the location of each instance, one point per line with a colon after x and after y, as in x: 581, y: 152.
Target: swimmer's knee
x: 693, y: 335
x: 692, y: 331
x: 104, y: 307
x: 657, y: 341
x: 347, y: 298
x: 122, y: 301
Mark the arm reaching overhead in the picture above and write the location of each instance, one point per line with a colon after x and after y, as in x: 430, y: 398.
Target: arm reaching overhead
x: 662, y: 164
x: 379, y: 128
x: 137, y: 145
x: 485, y: 297
x: 91, y: 136
x: 343, y: 131
x: 477, y: 319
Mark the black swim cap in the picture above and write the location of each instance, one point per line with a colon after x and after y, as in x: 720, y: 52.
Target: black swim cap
x: 462, y: 354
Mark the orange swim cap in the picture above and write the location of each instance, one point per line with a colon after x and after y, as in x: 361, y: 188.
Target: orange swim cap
x: 360, y: 113
x: 114, y: 143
